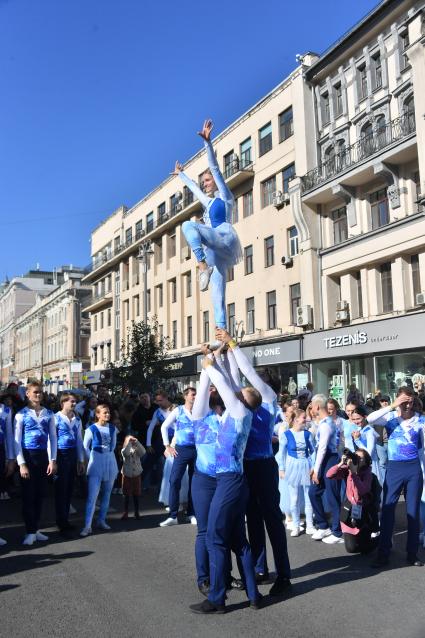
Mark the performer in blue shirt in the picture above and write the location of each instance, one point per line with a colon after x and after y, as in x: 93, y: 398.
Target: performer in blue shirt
x: 404, y: 472
x: 226, y: 525
x: 70, y: 458
x: 7, y: 451
x: 154, y: 445
x: 183, y: 454
x: 214, y: 243
x: 36, y: 446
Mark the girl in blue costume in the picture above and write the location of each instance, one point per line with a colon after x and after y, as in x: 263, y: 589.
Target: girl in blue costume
x: 214, y: 243
x: 365, y: 438
x: 100, y: 440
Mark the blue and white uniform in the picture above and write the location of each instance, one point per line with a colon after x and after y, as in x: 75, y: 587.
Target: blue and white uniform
x: 367, y: 441
x: 102, y: 469
x: 348, y: 429
x: 70, y: 450
x: 217, y: 235
x: 7, y: 447
x: 295, y: 458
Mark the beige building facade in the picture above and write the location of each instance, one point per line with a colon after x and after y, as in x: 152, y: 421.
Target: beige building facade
x: 329, y: 183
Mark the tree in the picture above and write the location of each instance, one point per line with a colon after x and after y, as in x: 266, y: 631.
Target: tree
x: 142, y: 364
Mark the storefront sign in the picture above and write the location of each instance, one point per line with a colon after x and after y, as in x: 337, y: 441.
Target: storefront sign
x: 181, y: 366
x: 270, y: 353
x: 399, y: 333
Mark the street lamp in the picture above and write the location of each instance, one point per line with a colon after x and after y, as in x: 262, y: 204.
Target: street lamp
x: 42, y: 317
x: 145, y: 251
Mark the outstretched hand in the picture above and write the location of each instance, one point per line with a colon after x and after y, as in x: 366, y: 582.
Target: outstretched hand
x: 178, y: 168
x: 206, y: 130
x: 222, y: 335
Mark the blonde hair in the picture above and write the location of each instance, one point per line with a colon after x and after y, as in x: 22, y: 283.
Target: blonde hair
x: 294, y: 415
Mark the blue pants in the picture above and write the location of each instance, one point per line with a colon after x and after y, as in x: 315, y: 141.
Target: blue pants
x: 401, y: 476
x: 263, y: 509
x: 33, y: 489
x: 96, y: 485
x: 197, y: 236
x: 382, y: 452
x: 186, y: 457
x: 332, y: 489
x: 203, y: 490
x: 225, y: 530
x: 64, y: 484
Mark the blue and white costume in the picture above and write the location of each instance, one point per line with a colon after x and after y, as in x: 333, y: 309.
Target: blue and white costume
x: 348, y: 428
x: 35, y: 446
x: 296, y: 450
x: 178, y: 426
x: 216, y: 234
x: 70, y: 450
x: 156, y: 458
x: 7, y: 447
x: 367, y: 441
x: 102, y: 469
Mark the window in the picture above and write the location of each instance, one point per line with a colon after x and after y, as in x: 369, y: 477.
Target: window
x: 128, y: 236
x: 362, y: 81
x: 230, y: 274
x: 158, y: 252
x: 271, y: 310
x: 108, y: 352
x: 188, y: 284
x: 288, y: 173
x: 377, y: 71
x: 404, y: 43
x: 379, y: 208
x: 387, y: 288
x: 417, y: 194
x: 381, y: 130
x: 340, y: 224
x: 101, y: 320
x: 326, y: 114
x: 160, y: 295
x: 161, y: 331
x: 286, y: 124
x: 161, y: 213
x: 235, y: 211
x: 139, y: 229
x: 416, y: 276
x: 94, y: 356
x: 189, y: 331
x: 247, y: 204
x: 269, y: 251
x: 149, y: 222
x: 246, y: 153
x: 95, y: 323
x: 173, y: 290
x: 250, y: 315
x: 268, y: 187
x: 175, y: 203
x: 248, y: 260
x: 127, y: 310
x: 171, y: 246
x: 339, y: 105
x: 294, y: 301
x: 358, y: 278
x: 174, y: 334
x: 136, y: 306
x: 187, y: 196
x: 230, y: 164
x: 109, y: 318
x: 117, y: 244
x: 265, y: 139
x: 206, y: 326
x: 293, y: 241
x: 366, y: 140
x: 231, y: 318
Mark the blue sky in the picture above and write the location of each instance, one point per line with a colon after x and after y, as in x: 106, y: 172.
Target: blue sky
x: 99, y: 97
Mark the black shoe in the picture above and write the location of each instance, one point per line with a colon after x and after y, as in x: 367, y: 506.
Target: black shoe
x: 206, y: 607
x: 261, y: 577
x: 280, y: 586
x: 380, y: 561
x: 204, y: 588
x: 236, y: 583
x: 413, y: 560
x: 257, y: 603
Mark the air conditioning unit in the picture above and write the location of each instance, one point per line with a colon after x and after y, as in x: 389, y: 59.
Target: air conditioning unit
x: 420, y: 299
x: 286, y: 198
x: 278, y: 199
x: 341, y: 315
x: 185, y: 252
x: 287, y: 261
x: 341, y: 305
x: 304, y: 316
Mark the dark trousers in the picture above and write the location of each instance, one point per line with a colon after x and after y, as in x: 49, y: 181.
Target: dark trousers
x: 64, y: 484
x: 186, y: 457
x: 203, y: 490
x: 401, y: 476
x: 360, y: 543
x: 33, y: 488
x: 263, y: 509
x: 332, y: 488
x: 225, y: 531
x: 3, y: 482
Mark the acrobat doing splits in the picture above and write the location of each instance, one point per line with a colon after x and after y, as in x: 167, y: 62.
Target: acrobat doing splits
x: 214, y: 243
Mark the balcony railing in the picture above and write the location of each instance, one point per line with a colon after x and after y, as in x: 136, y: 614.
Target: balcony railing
x: 366, y: 146
x: 236, y: 165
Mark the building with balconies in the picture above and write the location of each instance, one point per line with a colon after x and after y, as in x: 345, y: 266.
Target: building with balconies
x: 360, y: 205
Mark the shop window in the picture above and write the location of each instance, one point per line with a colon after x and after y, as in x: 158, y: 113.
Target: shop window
x: 386, y: 287
x: 340, y: 224
x: 379, y: 209
x: 394, y: 371
x: 294, y: 301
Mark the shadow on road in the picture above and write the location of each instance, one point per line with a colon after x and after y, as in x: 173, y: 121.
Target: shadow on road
x: 24, y: 562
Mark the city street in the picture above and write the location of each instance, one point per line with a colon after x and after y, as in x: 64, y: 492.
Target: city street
x: 138, y: 580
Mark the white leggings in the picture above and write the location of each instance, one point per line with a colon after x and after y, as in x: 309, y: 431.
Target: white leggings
x: 294, y: 499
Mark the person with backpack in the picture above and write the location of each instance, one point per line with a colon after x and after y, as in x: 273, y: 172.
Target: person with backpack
x: 359, y: 512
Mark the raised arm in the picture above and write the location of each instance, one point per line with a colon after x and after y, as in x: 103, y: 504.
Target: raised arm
x: 223, y: 189
x: 196, y: 190
x: 235, y: 407
x: 168, y: 423
x: 201, y: 405
x: 154, y: 422
x: 379, y: 417
x: 18, y: 427
x: 233, y: 370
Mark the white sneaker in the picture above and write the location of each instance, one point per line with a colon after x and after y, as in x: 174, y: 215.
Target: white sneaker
x: 114, y: 490
x: 204, y: 278
x: 29, y: 539
x: 168, y: 522
x: 320, y: 534
x: 167, y: 509
x: 332, y: 540
x: 85, y: 531
x: 103, y: 525
x: 72, y: 509
x: 289, y: 525
x: 40, y: 537
x: 192, y: 520
x: 310, y: 531
x: 2, y: 542
x: 295, y: 532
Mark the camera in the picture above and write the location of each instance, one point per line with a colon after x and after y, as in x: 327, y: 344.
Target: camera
x: 348, y: 454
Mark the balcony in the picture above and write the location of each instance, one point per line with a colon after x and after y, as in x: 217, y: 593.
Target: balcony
x: 380, y: 140
x: 238, y: 170
x: 97, y: 301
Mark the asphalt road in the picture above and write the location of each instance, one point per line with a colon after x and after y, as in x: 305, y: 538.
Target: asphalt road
x: 138, y: 580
